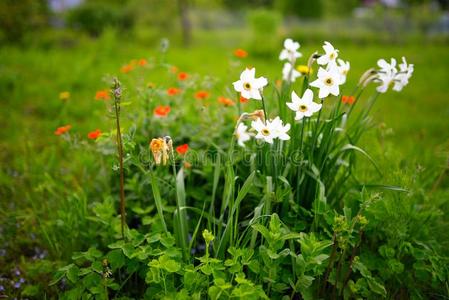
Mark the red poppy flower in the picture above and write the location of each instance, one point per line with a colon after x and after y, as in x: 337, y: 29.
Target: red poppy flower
x: 93, y: 135
x: 102, y: 95
x: 183, y: 75
x: 243, y: 99
x: 225, y: 101
x: 162, y: 111
x: 201, y: 95
x: 62, y: 129
x: 348, y: 99
x: 126, y: 69
x: 142, y: 62
x: 240, y: 53
x: 182, y: 149
x: 173, y: 91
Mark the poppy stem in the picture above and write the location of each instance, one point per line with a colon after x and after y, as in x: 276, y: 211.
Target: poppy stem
x: 117, y: 93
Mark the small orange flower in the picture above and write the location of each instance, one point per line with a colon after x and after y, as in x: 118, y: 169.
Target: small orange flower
x: 93, y: 135
x: 226, y: 101
x: 243, y: 99
x: 240, y: 53
x: 174, y: 69
x: 348, y: 99
x: 142, y: 62
x: 182, y: 149
x: 183, y: 76
x: 102, y: 95
x: 64, y: 96
x: 173, y: 91
x: 62, y: 129
x: 201, y: 95
x: 162, y: 111
x: 127, y: 68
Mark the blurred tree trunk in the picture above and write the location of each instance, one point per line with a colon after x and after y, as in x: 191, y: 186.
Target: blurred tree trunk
x: 186, y: 26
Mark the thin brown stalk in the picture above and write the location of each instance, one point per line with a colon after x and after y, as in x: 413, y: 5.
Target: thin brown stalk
x: 117, y: 93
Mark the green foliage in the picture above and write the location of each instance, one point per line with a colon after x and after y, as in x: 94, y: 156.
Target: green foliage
x: 94, y: 17
x: 264, y: 30
x: 19, y: 17
x: 303, y: 9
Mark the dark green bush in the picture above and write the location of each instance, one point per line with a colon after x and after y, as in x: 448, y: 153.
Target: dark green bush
x: 94, y: 17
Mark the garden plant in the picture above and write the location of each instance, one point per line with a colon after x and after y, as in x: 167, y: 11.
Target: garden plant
x: 255, y: 191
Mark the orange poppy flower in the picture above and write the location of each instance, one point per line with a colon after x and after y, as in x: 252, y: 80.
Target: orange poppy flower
x: 173, y: 91
x: 182, y: 149
x: 102, y: 95
x: 225, y: 101
x: 201, y: 95
x: 162, y: 111
x: 348, y: 99
x: 93, y: 135
x: 243, y: 99
x: 62, y: 129
x: 126, y: 68
x: 183, y: 76
x: 142, y: 62
x: 240, y: 53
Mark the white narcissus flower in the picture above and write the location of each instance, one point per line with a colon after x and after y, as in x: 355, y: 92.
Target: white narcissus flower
x: 343, y: 68
x: 264, y: 130
x: 389, y: 76
x: 290, y: 51
x: 249, y: 86
x: 387, y: 80
x: 403, y: 76
x: 242, y: 134
x: 289, y: 73
x: 304, y: 107
x: 330, y: 55
x: 387, y: 67
x: 280, y: 130
x: 328, y: 82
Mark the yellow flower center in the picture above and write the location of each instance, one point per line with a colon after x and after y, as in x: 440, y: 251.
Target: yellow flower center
x: 265, y: 132
x: 328, y: 81
x: 302, y: 108
x: 247, y: 86
x: 332, y: 55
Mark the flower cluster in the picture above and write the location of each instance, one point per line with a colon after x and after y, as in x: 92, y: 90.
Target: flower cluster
x: 251, y: 87
x: 332, y: 72
x: 290, y: 53
x: 389, y: 76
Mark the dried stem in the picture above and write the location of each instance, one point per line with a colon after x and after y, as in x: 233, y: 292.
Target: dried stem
x: 117, y: 94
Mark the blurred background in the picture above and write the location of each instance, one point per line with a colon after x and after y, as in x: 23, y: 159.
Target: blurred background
x: 50, y: 47
x: 45, y: 22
